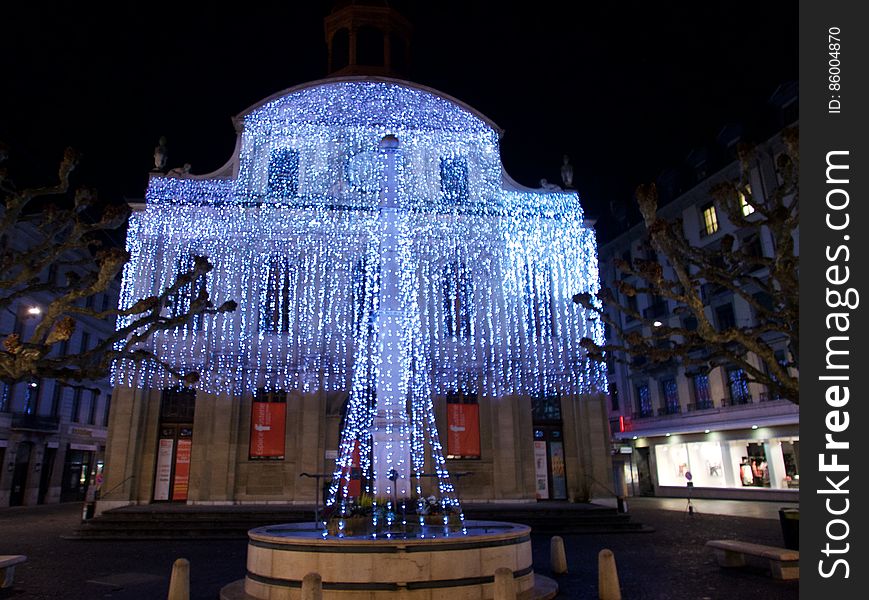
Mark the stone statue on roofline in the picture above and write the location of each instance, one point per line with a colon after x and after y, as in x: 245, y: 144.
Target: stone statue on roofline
x: 567, y: 173
x: 549, y: 187
x: 161, y: 155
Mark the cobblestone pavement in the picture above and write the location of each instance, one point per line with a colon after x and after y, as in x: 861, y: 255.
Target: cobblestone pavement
x: 669, y: 563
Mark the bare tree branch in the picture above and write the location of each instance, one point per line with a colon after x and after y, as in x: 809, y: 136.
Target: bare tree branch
x: 768, y: 284
x: 55, y: 254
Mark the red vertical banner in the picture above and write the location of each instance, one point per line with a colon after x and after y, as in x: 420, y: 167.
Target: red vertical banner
x: 268, y: 430
x: 463, y: 430
x: 181, y: 482
x: 353, y: 477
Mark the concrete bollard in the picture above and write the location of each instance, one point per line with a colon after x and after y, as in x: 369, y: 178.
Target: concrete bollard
x: 179, y: 583
x: 558, y: 559
x: 505, y: 587
x: 312, y: 587
x: 607, y: 576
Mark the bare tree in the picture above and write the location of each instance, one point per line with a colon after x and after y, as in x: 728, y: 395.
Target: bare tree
x: 56, y: 254
x: 769, y: 284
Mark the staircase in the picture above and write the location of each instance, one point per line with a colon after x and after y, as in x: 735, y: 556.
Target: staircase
x: 166, y: 521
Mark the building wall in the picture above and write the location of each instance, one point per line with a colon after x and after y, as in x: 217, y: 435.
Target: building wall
x: 221, y: 471
x: 761, y: 419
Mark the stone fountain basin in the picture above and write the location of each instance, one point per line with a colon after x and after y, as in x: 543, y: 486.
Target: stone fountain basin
x: 454, y: 566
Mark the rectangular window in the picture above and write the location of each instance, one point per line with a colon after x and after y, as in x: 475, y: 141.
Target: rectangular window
x: 546, y: 408
x: 85, y: 342
x: 702, y: 395
x: 454, y: 179
x: 725, y: 317
x: 56, y: 398
x: 738, y: 385
x: 181, y: 302
x: 744, y: 204
x: 457, y: 296
x: 631, y: 302
x: 4, y: 397
x: 177, y: 405
x: 106, y: 409
x: 670, y: 392
x: 105, y: 303
x: 76, y: 405
x: 614, y: 397
x: 268, y: 423
x: 644, y: 401
x: 284, y: 173
x: 710, y: 219
x: 275, y: 307
x: 92, y: 408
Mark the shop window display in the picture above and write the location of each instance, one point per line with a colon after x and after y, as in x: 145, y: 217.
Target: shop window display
x: 730, y: 464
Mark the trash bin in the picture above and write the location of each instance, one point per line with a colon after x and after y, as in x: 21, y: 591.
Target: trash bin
x: 790, y: 527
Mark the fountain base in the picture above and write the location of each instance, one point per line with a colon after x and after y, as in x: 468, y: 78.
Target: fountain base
x: 454, y: 566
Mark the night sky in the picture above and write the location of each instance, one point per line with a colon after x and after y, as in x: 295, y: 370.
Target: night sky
x: 625, y: 89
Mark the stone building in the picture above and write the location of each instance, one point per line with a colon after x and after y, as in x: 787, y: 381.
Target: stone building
x: 53, y: 436
x: 712, y: 425
x: 481, y: 279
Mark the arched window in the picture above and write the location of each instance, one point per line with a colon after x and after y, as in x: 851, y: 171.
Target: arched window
x: 369, y: 46
x: 340, y: 49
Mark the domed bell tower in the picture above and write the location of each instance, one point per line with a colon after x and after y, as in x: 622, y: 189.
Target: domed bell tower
x: 367, y: 38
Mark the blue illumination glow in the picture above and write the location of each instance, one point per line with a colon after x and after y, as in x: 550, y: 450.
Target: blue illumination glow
x: 484, y: 271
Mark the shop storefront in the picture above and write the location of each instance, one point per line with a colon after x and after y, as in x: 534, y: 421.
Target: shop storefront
x: 746, y: 463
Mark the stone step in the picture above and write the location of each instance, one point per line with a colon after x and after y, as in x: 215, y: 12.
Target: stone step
x: 184, y: 522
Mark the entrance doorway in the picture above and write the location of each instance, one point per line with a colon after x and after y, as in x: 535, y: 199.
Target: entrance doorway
x: 644, y: 472
x: 19, y: 473
x: 76, y: 474
x: 45, y: 474
x: 174, y: 445
x: 549, y: 463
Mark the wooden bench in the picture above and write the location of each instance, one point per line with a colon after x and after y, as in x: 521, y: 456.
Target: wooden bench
x: 783, y: 563
x: 7, y: 568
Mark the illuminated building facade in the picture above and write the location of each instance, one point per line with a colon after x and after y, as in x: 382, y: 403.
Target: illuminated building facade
x: 349, y: 203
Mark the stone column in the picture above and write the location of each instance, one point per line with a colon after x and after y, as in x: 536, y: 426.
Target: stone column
x: 391, y: 436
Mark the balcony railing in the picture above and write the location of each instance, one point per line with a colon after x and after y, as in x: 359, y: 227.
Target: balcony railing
x: 659, y: 309
x: 644, y: 414
x: 669, y: 410
x: 695, y: 406
x: 28, y: 422
x: 739, y: 401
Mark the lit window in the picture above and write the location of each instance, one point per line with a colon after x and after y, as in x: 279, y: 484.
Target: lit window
x: 744, y: 205
x: 275, y: 302
x: 457, y: 295
x: 284, y: 173
x: 454, y: 180
x: 710, y: 219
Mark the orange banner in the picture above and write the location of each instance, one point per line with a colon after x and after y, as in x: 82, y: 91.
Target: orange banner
x: 182, y: 469
x: 267, y: 430
x: 463, y: 430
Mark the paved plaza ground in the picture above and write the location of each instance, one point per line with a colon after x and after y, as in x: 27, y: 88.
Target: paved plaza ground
x: 669, y: 563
